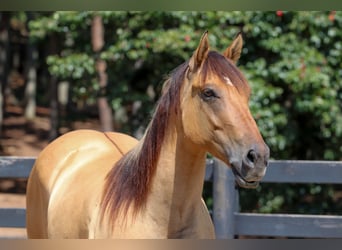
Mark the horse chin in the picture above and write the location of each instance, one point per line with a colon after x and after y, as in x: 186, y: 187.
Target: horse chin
x: 242, y: 182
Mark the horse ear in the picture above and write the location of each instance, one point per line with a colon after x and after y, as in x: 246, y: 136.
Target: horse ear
x: 200, y: 53
x: 233, y: 52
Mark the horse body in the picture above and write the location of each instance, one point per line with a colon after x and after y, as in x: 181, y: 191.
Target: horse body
x: 68, y: 176
x: 89, y: 184
x: 73, y: 185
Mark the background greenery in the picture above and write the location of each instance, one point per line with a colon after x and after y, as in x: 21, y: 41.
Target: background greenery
x: 293, y: 61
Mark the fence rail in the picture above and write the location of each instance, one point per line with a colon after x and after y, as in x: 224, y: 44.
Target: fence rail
x: 228, y: 221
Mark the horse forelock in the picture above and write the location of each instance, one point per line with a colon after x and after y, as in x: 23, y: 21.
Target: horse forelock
x: 216, y: 64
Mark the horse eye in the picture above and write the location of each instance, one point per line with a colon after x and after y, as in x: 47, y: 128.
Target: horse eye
x: 208, y: 94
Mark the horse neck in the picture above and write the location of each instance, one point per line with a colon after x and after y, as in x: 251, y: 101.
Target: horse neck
x: 178, y: 181
x: 185, y: 162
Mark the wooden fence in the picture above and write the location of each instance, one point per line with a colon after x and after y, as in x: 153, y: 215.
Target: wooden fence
x: 228, y: 221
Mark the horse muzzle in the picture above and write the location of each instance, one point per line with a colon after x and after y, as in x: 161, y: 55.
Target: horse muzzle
x: 252, y: 168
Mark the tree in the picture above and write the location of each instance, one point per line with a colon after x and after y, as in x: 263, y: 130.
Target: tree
x: 53, y: 91
x: 4, y: 59
x: 97, y: 35
x: 31, y: 77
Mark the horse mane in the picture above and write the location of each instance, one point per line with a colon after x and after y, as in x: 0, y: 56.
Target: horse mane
x: 128, y: 182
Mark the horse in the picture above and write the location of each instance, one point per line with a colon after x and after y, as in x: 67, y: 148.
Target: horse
x: 93, y: 184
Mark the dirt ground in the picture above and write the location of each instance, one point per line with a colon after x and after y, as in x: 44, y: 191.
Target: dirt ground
x: 22, y: 138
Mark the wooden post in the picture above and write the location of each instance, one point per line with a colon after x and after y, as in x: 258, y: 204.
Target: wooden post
x: 224, y: 196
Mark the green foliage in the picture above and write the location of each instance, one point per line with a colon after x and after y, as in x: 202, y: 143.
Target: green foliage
x: 74, y: 66
x: 293, y: 61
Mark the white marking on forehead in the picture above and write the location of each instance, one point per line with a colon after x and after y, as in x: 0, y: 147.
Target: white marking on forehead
x: 228, y: 81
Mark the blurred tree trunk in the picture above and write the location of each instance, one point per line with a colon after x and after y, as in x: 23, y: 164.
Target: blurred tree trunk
x: 31, y: 77
x: 4, y: 61
x: 105, y: 112
x: 54, y: 112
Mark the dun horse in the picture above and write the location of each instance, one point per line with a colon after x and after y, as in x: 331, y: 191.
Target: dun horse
x: 89, y: 184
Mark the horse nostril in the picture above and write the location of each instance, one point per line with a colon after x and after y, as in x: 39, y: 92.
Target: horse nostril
x: 252, y: 156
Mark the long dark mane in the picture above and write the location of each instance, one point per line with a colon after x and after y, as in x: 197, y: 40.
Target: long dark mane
x: 128, y: 182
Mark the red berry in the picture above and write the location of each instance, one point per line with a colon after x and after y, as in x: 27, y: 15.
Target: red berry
x: 279, y: 13
x: 332, y: 16
x: 187, y: 38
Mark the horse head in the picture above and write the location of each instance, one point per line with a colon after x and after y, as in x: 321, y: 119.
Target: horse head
x: 215, y: 112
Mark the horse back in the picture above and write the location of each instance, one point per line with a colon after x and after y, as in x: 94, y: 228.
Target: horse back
x: 66, y: 182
